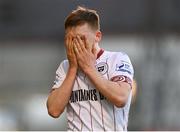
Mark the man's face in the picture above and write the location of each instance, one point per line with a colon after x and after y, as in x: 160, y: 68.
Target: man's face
x: 83, y: 30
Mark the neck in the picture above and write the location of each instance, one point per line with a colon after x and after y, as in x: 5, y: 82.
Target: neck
x: 97, y: 48
x: 99, y: 51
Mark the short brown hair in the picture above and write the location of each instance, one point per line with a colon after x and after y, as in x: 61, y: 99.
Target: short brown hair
x: 81, y: 16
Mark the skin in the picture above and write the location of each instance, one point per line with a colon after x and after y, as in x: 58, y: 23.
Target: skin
x: 81, y: 49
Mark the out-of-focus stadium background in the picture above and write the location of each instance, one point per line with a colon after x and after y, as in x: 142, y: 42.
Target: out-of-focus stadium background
x: 31, y: 48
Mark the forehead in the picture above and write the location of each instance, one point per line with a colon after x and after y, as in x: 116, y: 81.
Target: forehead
x: 80, y: 30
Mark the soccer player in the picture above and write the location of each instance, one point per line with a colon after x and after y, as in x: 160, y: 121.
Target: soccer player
x: 95, y: 86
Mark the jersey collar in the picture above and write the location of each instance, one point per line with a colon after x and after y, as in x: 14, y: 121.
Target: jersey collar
x: 101, y: 51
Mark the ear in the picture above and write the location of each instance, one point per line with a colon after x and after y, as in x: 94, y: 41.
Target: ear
x: 98, y: 36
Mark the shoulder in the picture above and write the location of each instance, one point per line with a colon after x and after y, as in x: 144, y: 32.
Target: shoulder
x: 118, y: 56
x: 120, y: 61
x: 63, y: 66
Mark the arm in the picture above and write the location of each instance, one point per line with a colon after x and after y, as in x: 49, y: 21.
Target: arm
x: 116, y: 92
x: 58, y: 98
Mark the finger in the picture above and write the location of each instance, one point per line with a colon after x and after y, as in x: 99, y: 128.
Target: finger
x: 69, y: 43
x: 72, y: 47
x: 66, y: 40
x: 87, y: 46
x: 81, y: 43
x: 75, y: 49
x: 77, y: 45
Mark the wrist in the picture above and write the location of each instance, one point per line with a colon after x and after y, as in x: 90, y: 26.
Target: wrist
x: 89, y: 70
x: 72, y: 70
x: 72, y: 67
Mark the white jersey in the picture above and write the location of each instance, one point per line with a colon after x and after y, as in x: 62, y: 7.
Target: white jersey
x: 88, y: 109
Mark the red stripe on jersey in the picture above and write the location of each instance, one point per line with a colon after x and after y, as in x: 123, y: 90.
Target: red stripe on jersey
x: 102, y: 116
x: 114, y: 118
x: 100, y: 53
x: 79, y: 113
x: 89, y: 104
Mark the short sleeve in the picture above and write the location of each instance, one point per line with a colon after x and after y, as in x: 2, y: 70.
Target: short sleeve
x: 121, y: 68
x: 60, y: 75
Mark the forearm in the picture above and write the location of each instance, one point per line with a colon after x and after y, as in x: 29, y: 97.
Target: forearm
x: 113, y: 91
x: 59, y: 98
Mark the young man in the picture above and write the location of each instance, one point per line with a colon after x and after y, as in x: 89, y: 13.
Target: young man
x: 93, y: 85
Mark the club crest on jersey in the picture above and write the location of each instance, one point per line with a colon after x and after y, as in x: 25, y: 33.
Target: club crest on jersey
x: 102, y: 67
x: 124, y: 67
